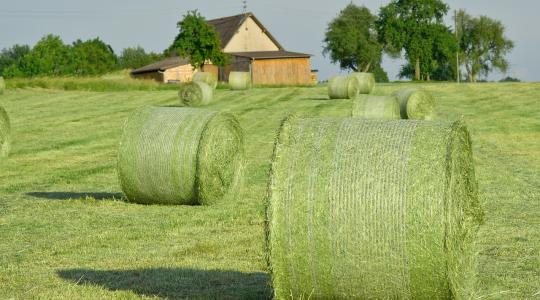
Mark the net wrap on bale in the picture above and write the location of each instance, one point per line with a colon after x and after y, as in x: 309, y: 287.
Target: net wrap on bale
x: 371, y: 209
x: 5, y: 133
x: 343, y: 87
x: 366, y: 81
x: 172, y: 155
x: 376, y: 107
x: 240, y: 80
x: 196, y: 93
x: 416, y: 104
x: 206, y: 77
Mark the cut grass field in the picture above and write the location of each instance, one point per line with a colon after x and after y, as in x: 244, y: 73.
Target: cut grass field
x: 66, y: 233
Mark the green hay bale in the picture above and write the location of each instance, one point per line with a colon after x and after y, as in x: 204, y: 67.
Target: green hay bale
x: 240, y: 80
x: 367, y: 82
x: 416, y: 104
x: 5, y: 133
x: 2, y: 85
x: 206, y: 77
x: 343, y: 87
x: 173, y: 155
x: 374, y: 209
x: 376, y: 107
x: 196, y: 93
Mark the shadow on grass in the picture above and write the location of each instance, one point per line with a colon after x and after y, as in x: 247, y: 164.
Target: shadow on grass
x: 175, y: 283
x: 317, y: 98
x: 71, y: 195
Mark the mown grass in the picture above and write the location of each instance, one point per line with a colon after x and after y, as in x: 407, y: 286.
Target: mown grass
x: 65, y: 232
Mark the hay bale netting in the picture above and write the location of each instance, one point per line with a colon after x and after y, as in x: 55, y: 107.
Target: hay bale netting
x: 206, y: 77
x: 196, y: 93
x: 240, y: 80
x: 2, y: 85
x: 5, y: 133
x: 376, y: 107
x: 366, y: 80
x: 374, y: 209
x: 343, y: 87
x: 174, y: 155
x: 416, y: 104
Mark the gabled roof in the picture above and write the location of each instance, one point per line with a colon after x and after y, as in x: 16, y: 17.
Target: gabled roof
x: 227, y: 27
x: 162, y: 65
x: 270, y: 54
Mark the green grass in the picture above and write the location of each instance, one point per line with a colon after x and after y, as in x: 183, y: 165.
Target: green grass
x: 66, y: 234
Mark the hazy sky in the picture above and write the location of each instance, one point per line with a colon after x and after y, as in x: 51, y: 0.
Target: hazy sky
x: 297, y: 25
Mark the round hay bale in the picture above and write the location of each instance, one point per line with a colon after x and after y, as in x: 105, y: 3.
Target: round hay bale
x: 376, y: 107
x: 5, y: 133
x: 173, y: 155
x: 416, y: 104
x: 240, y: 80
x: 367, y: 82
x: 343, y: 87
x: 206, y: 77
x: 2, y: 85
x: 374, y: 209
x: 196, y: 93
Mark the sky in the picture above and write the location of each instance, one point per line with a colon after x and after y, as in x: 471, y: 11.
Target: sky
x: 298, y: 25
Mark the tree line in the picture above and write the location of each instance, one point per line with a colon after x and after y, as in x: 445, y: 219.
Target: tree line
x: 50, y: 56
x: 357, y: 39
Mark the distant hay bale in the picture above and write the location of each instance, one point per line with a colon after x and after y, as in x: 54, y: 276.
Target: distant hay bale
x: 174, y: 155
x: 206, y: 77
x: 376, y: 107
x: 2, y: 85
x: 240, y: 80
x: 5, y: 133
x: 366, y: 80
x: 416, y: 104
x: 343, y: 87
x: 196, y: 93
x: 360, y: 209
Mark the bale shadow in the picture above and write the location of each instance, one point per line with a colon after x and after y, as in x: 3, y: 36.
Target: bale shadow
x: 316, y: 98
x: 176, y: 283
x: 72, y: 195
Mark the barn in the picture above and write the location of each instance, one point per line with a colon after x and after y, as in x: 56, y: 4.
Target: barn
x: 252, y: 48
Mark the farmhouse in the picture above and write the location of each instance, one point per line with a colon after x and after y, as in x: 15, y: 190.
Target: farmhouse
x: 252, y: 48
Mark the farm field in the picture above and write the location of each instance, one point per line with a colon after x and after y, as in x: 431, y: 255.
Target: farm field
x: 66, y: 233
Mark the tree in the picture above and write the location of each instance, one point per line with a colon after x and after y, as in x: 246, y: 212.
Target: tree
x: 415, y: 26
x: 92, y: 57
x: 136, y: 57
x: 351, y: 40
x: 198, y: 41
x: 12, y: 56
x: 482, y: 44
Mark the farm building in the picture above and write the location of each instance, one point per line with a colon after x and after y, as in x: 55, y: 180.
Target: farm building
x: 251, y: 48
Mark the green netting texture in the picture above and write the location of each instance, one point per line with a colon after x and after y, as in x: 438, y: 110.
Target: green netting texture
x: 240, y: 80
x: 206, y: 77
x: 173, y: 155
x: 366, y: 80
x: 416, y: 104
x: 371, y: 209
x: 343, y: 87
x: 196, y: 93
x: 376, y: 107
x: 2, y: 85
x: 5, y: 133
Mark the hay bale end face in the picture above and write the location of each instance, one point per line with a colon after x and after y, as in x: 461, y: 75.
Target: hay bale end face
x: 372, y: 209
x: 196, y: 93
x: 343, y: 87
x: 240, y: 80
x: 366, y: 80
x: 2, y: 85
x: 172, y: 155
x: 376, y: 107
x: 206, y: 77
x: 416, y: 104
x: 5, y: 133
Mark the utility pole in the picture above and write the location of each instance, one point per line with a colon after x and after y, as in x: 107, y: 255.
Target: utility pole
x: 457, y: 52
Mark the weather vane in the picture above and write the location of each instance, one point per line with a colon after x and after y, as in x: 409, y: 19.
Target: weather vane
x: 244, y: 6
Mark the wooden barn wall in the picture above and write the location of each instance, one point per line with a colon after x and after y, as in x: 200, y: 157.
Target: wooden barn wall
x: 281, y: 71
x: 178, y: 74
x: 211, y: 69
x: 239, y: 64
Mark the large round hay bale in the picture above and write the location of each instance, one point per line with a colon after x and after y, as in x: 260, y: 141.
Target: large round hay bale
x: 206, y: 77
x: 366, y: 80
x: 416, y: 104
x: 343, y: 87
x: 173, y: 155
x: 240, y: 80
x: 2, y: 85
x: 196, y: 93
x: 371, y: 209
x: 5, y: 133
x: 376, y: 107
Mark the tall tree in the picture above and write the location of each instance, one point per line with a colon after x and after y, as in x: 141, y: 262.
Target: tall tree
x: 351, y: 40
x: 415, y: 26
x: 12, y: 56
x: 136, y: 57
x: 482, y: 44
x: 198, y: 41
x: 93, y: 57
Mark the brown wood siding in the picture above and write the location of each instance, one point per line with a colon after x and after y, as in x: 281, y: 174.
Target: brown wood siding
x: 239, y: 64
x: 281, y: 71
x: 211, y: 69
